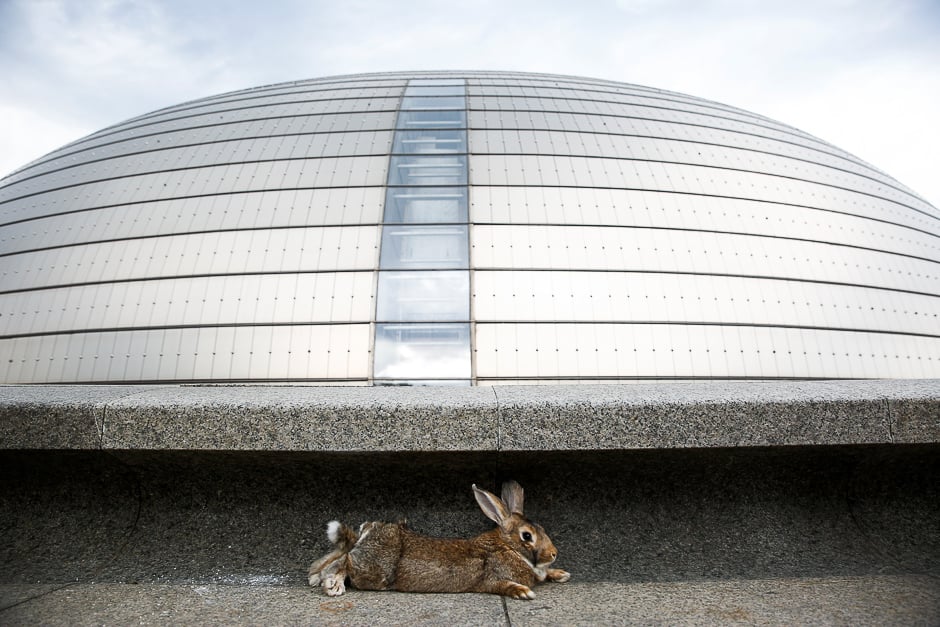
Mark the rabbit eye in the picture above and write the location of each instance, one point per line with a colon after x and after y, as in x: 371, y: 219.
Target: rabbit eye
x: 526, y: 536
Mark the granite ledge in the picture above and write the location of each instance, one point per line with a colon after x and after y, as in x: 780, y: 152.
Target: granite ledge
x: 719, y: 414
x: 404, y: 419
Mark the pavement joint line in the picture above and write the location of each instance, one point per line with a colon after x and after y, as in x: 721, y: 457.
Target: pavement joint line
x: 506, y: 611
x: 890, y: 420
x: 499, y: 422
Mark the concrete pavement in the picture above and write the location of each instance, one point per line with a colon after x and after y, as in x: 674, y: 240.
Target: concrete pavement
x: 856, y: 601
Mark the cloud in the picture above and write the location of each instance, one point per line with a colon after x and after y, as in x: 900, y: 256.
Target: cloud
x: 29, y: 135
x: 881, y: 112
x: 69, y: 68
x: 860, y: 74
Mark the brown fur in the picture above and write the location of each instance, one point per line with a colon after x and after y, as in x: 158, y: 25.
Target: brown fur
x: 508, y: 560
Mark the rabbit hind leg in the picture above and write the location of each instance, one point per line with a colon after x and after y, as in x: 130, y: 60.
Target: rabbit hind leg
x: 316, y: 569
x: 513, y: 590
x: 333, y: 576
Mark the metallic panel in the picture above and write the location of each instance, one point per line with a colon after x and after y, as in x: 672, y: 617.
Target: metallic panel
x: 253, y: 353
x: 659, y: 351
x: 658, y: 209
x: 208, y: 300
x: 251, y: 210
x: 519, y: 295
x: 224, y: 252
x: 695, y: 252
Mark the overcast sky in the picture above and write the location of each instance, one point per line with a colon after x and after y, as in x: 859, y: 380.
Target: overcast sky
x: 861, y: 74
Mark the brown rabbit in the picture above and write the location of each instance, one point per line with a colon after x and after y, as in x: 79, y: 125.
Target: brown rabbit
x: 508, y: 560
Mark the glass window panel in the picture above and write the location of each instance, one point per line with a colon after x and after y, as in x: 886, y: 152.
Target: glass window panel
x: 427, y: 170
x: 456, y: 89
x: 452, y: 118
x: 433, y: 102
x: 426, y: 204
x: 424, y: 247
x: 422, y: 351
x: 421, y: 82
x: 430, y: 141
x: 423, y: 295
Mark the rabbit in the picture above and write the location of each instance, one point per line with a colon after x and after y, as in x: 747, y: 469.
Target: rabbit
x: 508, y: 560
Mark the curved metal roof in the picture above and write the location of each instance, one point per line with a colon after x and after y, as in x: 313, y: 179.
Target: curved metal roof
x: 465, y: 228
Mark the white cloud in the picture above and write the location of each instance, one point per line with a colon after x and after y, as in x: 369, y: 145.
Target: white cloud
x: 28, y: 135
x: 72, y: 68
x: 884, y: 113
x: 858, y: 73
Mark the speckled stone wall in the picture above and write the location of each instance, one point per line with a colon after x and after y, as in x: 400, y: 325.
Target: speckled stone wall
x: 626, y: 516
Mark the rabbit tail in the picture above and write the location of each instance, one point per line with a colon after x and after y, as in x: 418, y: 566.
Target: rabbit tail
x: 342, y: 537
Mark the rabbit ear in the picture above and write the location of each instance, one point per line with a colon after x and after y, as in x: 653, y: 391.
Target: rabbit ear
x: 492, y: 506
x: 514, y: 497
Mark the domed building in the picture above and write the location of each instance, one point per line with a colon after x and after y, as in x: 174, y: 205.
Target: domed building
x: 469, y: 228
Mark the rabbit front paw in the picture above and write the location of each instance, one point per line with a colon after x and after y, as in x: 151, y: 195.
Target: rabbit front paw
x: 557, y: 575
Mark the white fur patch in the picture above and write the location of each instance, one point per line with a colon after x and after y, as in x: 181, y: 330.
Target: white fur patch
x: 332, y: 531
x: 541, y: 572
x: 364, y: 534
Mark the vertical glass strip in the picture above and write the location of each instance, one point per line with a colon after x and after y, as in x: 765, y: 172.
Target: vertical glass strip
x: 422, y: 314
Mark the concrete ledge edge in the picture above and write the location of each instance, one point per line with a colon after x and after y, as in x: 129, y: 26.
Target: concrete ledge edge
x: 510, y: 418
